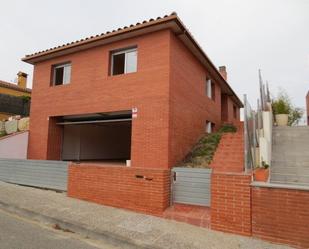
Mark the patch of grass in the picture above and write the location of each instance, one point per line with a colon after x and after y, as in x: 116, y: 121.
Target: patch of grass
x: 227, y: 128
x: 2, y: 133
x: 202, y: 153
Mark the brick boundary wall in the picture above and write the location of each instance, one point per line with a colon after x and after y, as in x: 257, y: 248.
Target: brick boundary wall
x: 281, y: 215
x: 231, y: 203
x: 143, y: 190
x: 230, y: 186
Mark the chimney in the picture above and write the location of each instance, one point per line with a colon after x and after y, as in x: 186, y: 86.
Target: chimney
x: 222, y: 71
x: 22, y: 79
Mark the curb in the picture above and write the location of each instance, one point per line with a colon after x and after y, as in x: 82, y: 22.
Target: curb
x: 103, y: 236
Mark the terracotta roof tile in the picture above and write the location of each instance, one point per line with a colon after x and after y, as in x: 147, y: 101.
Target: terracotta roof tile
x: 139, y: 25
x: 14, y: 87
x: 101, y: 35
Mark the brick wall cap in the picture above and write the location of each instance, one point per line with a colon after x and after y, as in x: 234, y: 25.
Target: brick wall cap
x: 106, y: 165
x: 231, y: 173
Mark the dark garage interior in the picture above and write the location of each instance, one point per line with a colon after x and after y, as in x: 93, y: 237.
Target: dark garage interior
x: 104, y: 137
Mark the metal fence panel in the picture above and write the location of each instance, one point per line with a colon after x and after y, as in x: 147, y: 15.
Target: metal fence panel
x: 37, y: 173
x: 191, y: 186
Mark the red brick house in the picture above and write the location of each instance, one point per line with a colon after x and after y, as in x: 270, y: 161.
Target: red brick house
x: 144, y: 93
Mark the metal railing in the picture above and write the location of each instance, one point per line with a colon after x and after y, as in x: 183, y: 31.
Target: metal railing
x: 254, y: 127
x: 250, y: 136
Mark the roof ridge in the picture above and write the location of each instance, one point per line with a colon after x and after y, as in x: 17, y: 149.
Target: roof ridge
x: 103, y: 34
x: 14, y: 86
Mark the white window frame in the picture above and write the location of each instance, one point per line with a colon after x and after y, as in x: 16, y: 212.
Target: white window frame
x: 123, y: 51
x: 208, y: 127
x: 209, y: 89
x: 65, y: 71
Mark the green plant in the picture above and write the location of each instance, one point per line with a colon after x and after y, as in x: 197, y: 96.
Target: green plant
x: 282, y: 105
x: 295, y: 116
x: 264, y: 165
x: 227, y: 128
x: 2, y: 133
x: 202, y: 153
x: 25, y: 98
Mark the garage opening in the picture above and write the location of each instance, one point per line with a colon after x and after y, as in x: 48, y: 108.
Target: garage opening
x: 100, y: 137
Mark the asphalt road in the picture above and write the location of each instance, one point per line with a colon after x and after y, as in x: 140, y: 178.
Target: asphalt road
x: 19, y: 233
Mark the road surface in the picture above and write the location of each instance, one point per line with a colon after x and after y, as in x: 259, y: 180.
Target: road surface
x: 20, y: 233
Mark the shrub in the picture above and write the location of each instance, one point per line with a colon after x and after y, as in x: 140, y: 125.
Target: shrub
x: 282, y: 105
x: 295, y: 116
x: 2, y: 133
x: 227, y: 128
x: 202, y: 153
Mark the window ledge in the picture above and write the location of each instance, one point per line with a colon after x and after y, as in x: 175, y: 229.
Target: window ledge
x: 62, y: 85
x: 122, y: 75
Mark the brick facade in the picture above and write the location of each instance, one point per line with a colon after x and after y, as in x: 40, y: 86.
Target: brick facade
x: 169, y: 92
x: 281, y: 215
x: 92, y: 90
x: 231, y: 203
x: 139, y: 189
x: 230, y: 186
x: 233, y: 112
x: 229, y: 156
x: 190, y: 108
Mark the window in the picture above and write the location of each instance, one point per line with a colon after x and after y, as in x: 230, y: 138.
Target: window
x: 209, y: 127
x: 234, y: 111
x: 210, y: 89
x: 124, y: 61
x: 61, y: 74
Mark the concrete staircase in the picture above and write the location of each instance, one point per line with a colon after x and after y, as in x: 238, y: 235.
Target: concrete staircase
x: 290, y: 155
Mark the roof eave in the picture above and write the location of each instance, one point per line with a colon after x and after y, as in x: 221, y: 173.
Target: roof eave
x: 209, y: 63
x: 136, y: 30
x: 171, y: 22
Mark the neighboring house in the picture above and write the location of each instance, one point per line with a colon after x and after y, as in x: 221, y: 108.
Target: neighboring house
x: 144, y: 93
x: 11, y: 97
x: 307, y: 105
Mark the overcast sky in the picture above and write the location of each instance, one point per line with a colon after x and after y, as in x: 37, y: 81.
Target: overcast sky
x: 244, y: 35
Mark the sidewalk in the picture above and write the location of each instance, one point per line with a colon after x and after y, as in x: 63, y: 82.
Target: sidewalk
x: 134, y: 230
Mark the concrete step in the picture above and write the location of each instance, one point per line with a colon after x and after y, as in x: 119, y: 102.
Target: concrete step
x: 290, y: 170
x: 291, y: 131
x: 289, y: 183
x: 290, y: 178
x: 290, y: 161
x: 290, y: 155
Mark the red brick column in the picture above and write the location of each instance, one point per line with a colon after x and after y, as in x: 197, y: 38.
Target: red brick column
x: 54, y: 139
x: 231, y: 203
x: 138, y: 189
x: 230, y: 186
x: 281, y: 215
